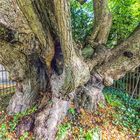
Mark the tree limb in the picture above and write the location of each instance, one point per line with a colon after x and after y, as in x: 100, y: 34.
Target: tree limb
x: 125, y: 57
x: 27, y: 9
x: 102, y: 23
x: 35, y: 13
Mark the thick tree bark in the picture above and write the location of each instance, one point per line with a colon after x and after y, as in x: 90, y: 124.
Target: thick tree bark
x: 24, y: 98
x: 35, y: 13
x: 28, y: 88
x: 90, y: 95
x: 76, y: 70
x: 30, y: 50
x: 102, y: 23
x: 47, y: 120
x: 12, y: 17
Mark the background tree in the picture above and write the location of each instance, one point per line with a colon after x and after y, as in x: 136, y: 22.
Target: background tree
x: 36, y: 34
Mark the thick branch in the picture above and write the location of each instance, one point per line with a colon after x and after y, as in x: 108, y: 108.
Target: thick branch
x: 76, y: 70
x: 46, y: 14
x: 123, y: 58
x: 35, y: 13
x: 102, y: 23
x: 32, y: 19
x: 62, y: 12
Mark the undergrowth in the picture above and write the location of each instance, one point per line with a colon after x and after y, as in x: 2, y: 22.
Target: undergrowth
x: 8, y: 125
x: 119, y: 119
x: 127, y: 109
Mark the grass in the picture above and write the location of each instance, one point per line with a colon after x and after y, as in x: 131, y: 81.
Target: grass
x: 127, y: 109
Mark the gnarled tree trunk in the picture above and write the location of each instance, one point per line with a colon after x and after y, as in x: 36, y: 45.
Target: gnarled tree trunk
x: 29, y: 87
x: 29, y: 44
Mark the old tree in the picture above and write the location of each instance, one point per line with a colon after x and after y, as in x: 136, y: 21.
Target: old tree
x: 33, y: 33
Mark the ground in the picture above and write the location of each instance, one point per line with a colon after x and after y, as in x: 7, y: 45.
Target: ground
x: 119, y: 119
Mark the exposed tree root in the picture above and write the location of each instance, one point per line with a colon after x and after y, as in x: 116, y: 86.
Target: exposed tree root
x: 22, y: 100
x: 90, y: 95
x: 46, y: 121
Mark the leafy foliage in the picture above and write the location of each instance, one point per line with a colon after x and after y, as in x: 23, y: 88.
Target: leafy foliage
x: 82, y: 19
x: 8, y: 125
x: 127, y: 109
x: 126, y: 16
x: 63, y: 131
x: 119, y: 119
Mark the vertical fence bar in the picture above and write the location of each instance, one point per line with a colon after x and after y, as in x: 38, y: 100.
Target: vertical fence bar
x: 134, y: 81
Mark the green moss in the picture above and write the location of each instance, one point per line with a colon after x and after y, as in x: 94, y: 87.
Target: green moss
x: 87, y: 52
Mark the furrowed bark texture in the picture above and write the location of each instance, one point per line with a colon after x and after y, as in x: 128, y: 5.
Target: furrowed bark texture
x: 27, y: 45
x: 47, y: 120
x: 102, y: 23
x: 90, y: 95
x: 35, y: 13
x: 12, y: 59
x: 12, y: 17
x: 28, y: 88
x: 25, y: 68
x: 76, y: 71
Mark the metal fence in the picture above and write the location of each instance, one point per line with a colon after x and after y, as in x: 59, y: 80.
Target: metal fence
x: 130, y: 83
x: 6, y: 86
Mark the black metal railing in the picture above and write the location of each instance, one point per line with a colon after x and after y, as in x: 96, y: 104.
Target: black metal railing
x: 130, y: 83
x: 6, y: 86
